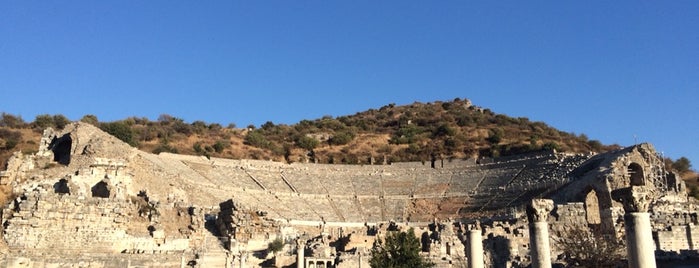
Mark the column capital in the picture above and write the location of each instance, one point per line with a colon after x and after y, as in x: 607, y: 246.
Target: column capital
x: 538, y: 210
x: 634, y: 198
x: 476, y: 226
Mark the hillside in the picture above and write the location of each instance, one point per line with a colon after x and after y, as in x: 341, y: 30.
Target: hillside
x: 414, y: 132
x: 392, y: 133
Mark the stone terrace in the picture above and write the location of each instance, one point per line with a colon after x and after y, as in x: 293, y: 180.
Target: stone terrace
x: 371, y: 193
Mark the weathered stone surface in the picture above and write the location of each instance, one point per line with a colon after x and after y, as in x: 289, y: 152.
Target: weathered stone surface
x: 87, y: 193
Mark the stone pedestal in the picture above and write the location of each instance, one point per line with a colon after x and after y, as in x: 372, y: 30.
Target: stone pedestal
x: 538, y: 212
x: 639, y: 234
x: 475, y: 247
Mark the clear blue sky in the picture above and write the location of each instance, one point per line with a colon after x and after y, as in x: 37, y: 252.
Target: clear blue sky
x: 610, y: 69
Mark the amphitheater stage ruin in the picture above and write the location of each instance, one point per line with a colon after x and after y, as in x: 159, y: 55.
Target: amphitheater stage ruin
x: 86, y: 199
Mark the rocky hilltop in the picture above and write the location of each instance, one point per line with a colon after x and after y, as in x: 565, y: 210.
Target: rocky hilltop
x: 87, y: 199
x: 392, y: 133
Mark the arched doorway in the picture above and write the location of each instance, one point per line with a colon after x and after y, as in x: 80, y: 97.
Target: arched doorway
x: 635, y: 172
x: 61, y: 149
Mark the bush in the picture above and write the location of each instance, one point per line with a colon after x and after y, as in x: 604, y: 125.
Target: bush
x: 60, y: 121
x: 444, y: 130
x: 682, y: 165
x: 90, y: 119
x: 275, y: 246
x: 590, y: 249
x: 197, y: 148
x: 256, y: 139
x: 407, y: 134
x: 341, y: 138
x: 43, y: 121
x: 120, y: 130
x: 551, y: 146
x: 11, y: 121
x: 595, y: 145
x: 11, y: 137
x: 399, y: 249
x: 163, y: 147
x: 495, y: 136
x: 220, y: 145
x: 307, y: 142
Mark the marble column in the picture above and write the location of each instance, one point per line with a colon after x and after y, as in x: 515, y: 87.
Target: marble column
x: 475, y: 246
x: 300, y: 248
x: 538, y: 213
x: 639, y: 234
x: 243, y: 258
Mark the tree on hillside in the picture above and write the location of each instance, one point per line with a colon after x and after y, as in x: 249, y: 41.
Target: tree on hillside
x: 398, y: 250
x: 60, y: 121
x: 307, y: 142
x: 42, y: 121
x: 682, y: 165
x: 11, y: 121
x: 90, y: 119
x: 120, y: 130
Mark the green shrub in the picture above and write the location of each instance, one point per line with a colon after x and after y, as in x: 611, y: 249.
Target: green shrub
x: 257, y: 139
x: 220, y: 145
x: 275, y: 246
x: 682, y: 165
x: 43, y: 121
x: 551, y: 146
x: 307, y: 142
x: 163, y: 147
x: 90, y: 119
x: 397, y: 250
x: 60, y: 121
x: 120, y: 130
x: 341, y: 138
x: 197, y: 148
x: 11, y: 121
x: 495, y: 136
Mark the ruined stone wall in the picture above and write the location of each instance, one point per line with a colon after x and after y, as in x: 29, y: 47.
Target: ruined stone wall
x: 46, y: 221
x: 61, y: 222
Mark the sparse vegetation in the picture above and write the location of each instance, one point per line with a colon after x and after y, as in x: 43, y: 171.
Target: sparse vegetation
x: 414, y: 132
x: 585, y: 248
x: 275, y: 246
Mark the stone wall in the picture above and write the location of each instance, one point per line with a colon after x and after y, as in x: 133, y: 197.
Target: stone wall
x: 46, y: 221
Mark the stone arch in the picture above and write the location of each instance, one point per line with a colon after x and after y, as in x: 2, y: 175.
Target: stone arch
x: 672, y: 183
x: 635, y: 172
x: 426, y: 242
x: 61, y: 187
x: 101, y: 189
x: 61, y: 149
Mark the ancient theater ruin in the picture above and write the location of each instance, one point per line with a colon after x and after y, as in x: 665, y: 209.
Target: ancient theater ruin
x: 86, y: 199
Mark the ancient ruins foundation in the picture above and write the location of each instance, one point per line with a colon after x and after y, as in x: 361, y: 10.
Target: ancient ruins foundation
x: 87, y: 199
